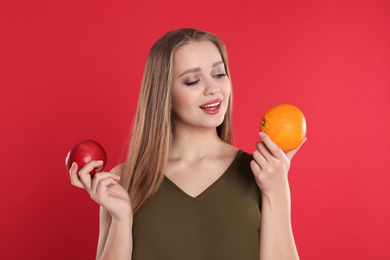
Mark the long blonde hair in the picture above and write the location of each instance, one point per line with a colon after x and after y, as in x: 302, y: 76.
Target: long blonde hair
x: 147, y: 156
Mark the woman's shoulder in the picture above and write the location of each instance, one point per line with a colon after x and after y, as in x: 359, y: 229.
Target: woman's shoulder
x: 246, y: 155
x: 241, y: 157
x: 235, y: 152
x: 242, y: 160
x: 118, y: 169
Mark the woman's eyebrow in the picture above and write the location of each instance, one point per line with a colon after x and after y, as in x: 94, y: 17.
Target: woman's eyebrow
x: 217, y: 63
x: 196, y: 69
x: 190, y: 71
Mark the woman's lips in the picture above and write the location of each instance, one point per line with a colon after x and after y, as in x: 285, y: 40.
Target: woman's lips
x: 212, y: 108
x: 211, y: 102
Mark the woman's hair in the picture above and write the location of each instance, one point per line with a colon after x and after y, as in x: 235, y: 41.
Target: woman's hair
x: 147, y: 155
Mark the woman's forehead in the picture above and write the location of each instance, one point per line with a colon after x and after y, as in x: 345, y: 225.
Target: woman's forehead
x: 196, y: 54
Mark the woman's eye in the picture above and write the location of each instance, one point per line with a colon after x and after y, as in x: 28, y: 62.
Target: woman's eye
x: 220, y: 75
x: 191, y: 83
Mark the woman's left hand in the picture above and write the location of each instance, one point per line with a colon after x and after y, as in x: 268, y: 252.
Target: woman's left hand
x: 270, y: 166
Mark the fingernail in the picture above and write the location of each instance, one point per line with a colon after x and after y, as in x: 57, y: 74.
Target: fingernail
x: 261, y: 134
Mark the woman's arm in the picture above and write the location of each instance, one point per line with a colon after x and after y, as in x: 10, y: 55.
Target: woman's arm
x: 276, y: 236
x: 115, y: 233
x: 116, y: 217
x: 270, y: 168
x: 115, y: 237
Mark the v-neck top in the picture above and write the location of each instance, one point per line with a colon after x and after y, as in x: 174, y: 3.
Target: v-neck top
x: 223, y: 222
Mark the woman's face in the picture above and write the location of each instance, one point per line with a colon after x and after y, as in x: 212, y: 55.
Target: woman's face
x: 201, y: 88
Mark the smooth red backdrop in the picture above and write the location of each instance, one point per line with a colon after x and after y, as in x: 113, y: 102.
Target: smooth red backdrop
x: 71, y: 70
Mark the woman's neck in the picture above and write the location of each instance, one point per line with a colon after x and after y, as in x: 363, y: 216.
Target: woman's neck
x: 195, y: 143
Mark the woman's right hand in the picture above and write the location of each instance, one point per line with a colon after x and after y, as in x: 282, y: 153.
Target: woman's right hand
x: 103, y: 188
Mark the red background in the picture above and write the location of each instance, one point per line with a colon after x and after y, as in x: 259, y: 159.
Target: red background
x: 71, y: 70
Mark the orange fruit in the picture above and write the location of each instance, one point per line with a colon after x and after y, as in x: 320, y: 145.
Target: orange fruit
x: 286, y: 125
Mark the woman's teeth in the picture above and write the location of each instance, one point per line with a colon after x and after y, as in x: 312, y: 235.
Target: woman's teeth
x: 211, y: 105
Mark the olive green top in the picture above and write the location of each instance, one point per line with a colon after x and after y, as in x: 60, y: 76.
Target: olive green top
x: 223, y: 222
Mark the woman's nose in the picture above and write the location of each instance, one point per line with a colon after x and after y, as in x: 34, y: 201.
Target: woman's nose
x: 211, y: 89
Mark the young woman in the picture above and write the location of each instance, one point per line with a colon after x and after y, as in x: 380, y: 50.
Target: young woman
x: 185, y: 192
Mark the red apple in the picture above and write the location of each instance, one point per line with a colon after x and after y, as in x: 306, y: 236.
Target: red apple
x: 84, y: 152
